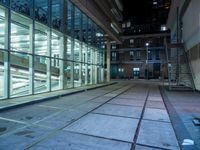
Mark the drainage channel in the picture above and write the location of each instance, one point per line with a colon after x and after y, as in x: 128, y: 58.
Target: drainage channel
x: 139, y: 123
x: 59, y: 129
x: 179, y: 129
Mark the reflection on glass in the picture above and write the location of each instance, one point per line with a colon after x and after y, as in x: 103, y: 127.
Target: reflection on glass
x: 56, y: 76
x: 41, y: 72
x: 69, y: 49
x: 41, y: 39
x: 77, y: 24
x: 20, y: 33
x: 41, y: 10
x: 77, y: 74
x: 4, y: 1
x: 19, y: 74
x: 22, y: 6
x: 89, y: 74
x: 84, y: 28
x: 77, y: 50
x: 56, y: 45
x: 68, y: 74
x: 2, y: 75
x: 83, y: 75
x: 56, y: 14
x: 2, y: 28
x: 70, y: 15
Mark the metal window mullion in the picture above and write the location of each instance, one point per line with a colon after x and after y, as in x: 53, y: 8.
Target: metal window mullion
x: 7, y: 54
x: 72, y: 42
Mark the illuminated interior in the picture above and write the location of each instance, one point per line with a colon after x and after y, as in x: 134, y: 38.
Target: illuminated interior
x: 41, y: 55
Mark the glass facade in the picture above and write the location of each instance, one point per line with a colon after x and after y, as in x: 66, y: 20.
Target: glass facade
x: 42, y: 49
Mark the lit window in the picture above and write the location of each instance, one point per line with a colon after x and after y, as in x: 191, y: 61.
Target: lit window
x: 123, y: 25
x: 131, y: 41
x: 163, y: 28
x: 128, y: 24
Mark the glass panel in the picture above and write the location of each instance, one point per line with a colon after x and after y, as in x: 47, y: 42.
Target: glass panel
x: 89, y: 55
x: 56, y: 76
x: 19, y: 74
x: 77, y: 24
x: 89, y: 74
x: 56, y: 14
x: 41, y: 39
x: 57, y: 45
x: 84, y: 28
x: 4, y: 2
x: 84, y: 53
x: 70, y: 15
x: 68, y: 74
x: 83, y: 75
x: 77, y: 74
x: 20, y: 33
x: 22, y: 6
x: 2, y: 74
x: 69, y: 49
x: 77, y: 50
x: 2, y: 28
x: 41, y: 74
x: 41, y: 10
x: 90, y: 32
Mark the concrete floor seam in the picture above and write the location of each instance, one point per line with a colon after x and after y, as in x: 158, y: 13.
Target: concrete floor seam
x: 54, y: 132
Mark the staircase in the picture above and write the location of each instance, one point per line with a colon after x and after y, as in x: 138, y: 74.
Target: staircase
x: 180, y: 76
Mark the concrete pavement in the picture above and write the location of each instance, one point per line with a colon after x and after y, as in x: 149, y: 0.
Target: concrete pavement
x: 123, y: 116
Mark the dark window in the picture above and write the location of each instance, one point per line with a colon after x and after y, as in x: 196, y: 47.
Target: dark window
x: 131, y: 55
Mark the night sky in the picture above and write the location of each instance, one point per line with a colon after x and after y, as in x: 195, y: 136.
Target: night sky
x: 140, y: 11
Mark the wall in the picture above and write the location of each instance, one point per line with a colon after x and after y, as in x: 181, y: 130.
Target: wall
x: 191, y: 38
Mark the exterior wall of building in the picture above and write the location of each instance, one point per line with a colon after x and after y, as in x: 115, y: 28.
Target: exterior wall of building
x: 191, y: 38
x: 47, y: 46
x: 131, y: 59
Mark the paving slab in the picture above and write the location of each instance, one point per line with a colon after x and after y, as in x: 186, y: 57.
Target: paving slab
x: 158, y: 134
x: 111, y: 127
x: 29, y: 114
x: 156, y: 114
x: 119, y: 110
x: 155, y: 98
x: 87, y: 107
x: 22, y: 138
x: 155, y: 104
x: 61, y: 119
x: 111, y: 95
x: 8, y: 126
x: 121, y: 101
x: 138, y: 147
x: 101, y: 99
x: 132, y: 96
x: 72, y: 141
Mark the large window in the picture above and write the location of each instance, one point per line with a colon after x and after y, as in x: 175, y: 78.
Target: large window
x: 2, y: 74
x: 41, y: 39
x: 43, y: 57
x: 2, y: 27
x: 77, y: 24
x: 20, y: 33
x: 41, y: 11
x: 56, y: 14
x: 22, y: 6
x: 20, y: 75
x: 41, y: 74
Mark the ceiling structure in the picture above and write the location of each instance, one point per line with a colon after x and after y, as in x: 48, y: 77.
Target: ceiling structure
x: 146, y: 11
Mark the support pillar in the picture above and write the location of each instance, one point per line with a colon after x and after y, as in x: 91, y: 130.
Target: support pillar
x: 108, y: 60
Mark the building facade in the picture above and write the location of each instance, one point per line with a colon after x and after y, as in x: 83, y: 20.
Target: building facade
x: 49, y: 45
x: 142, y: 54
